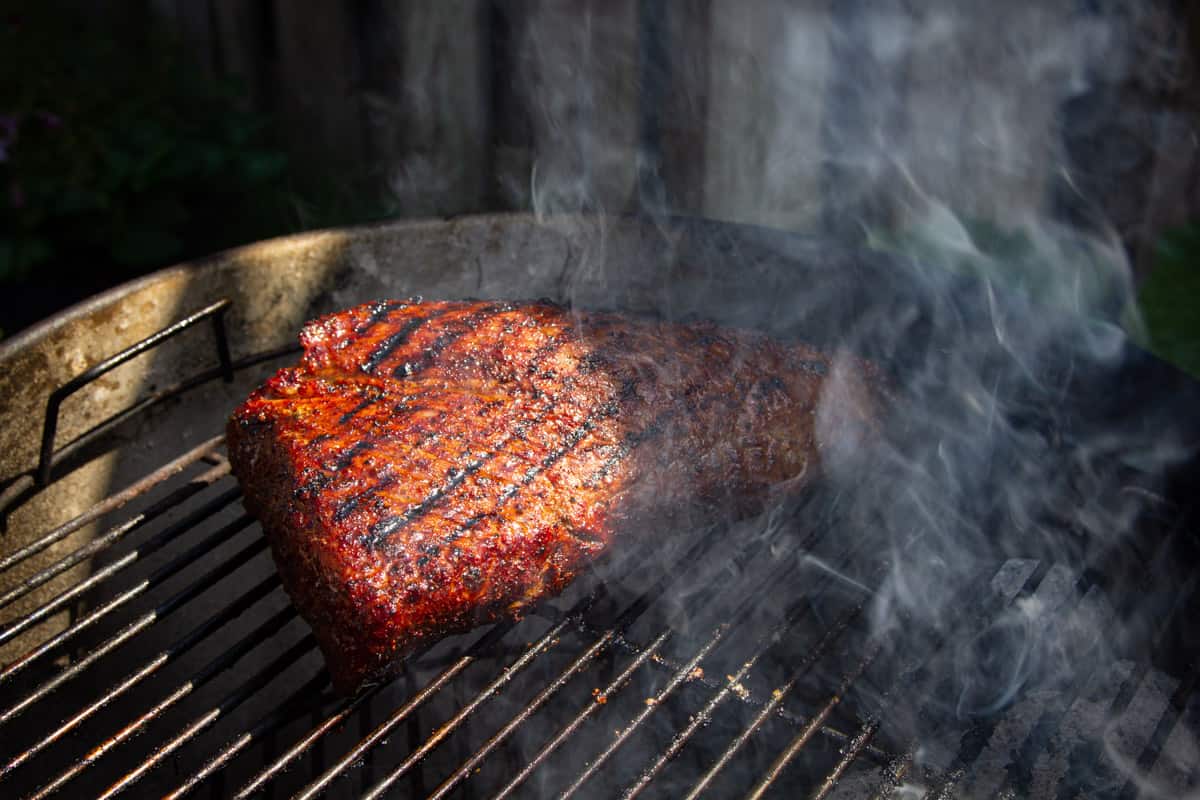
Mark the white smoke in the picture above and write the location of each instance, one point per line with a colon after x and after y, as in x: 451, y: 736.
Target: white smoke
x: 945, y: 134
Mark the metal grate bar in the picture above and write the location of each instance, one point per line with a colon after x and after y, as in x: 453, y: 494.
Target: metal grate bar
x: 1090, y: 752
x: 158, y: 576
x: 83, y: 440
x: 588, y: 655
x: 115, y: 534
x: 1175, y: 708
x: 350, y: 758
x: 247, y: 643
x: 1191, y: 771
x: 894, y: 772
x: 701, y: 719
x: 676, y: 680
x: 850, y: 754
x: 973, y: 743
x: 114, y: 502
x: 1019, y: 771
x: 1019, y: 776
x: 227, y: 704
x: 725, y: 690
x: 299, y: 704
x: 723, y: 693
x: 332, y: 721
x: 831, y: 635
x: 805, y: 736
x: 574, y: 616
x: 180, y: 646
x: 642, y: 655
x: 897, y: 766
x: 24, y: 483
x: 609, y: 640
x: 168, y: 535
x: 666, y: 663
x: 975, y: 740
x: 613, y: 687
x: 544, y: 643
x: 49, y: 428
x: 603, y: 641
x: 209, y: 579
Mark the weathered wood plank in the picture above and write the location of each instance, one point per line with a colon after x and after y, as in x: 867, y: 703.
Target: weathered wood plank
x: 428, y: 103
x: 191, y: 21
x: 319, y: 84
x: 802, y: 114
x: 1170, y: 87
x: 985, y: 85
x: 245, y: 48
x: 766, y: 104
x: 575, y: 76
x: 683, y: 112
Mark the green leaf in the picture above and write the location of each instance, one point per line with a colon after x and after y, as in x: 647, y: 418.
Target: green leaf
x: 1169, y: 300
x: 1049, y: 262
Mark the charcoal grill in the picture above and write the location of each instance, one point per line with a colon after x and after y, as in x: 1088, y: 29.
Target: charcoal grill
x: 148, y: 648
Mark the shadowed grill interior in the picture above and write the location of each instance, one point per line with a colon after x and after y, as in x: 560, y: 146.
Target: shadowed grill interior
x: 184, y: 670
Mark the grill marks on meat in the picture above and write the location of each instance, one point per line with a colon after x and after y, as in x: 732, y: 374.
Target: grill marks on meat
x: 429, y: 467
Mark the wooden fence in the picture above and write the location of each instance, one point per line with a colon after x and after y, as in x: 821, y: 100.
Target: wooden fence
x: 796, y: 113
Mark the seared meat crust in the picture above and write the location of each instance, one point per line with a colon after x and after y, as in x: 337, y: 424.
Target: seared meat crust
x: 432, y: 466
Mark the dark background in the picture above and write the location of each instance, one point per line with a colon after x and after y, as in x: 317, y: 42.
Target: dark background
x: 135, y: 134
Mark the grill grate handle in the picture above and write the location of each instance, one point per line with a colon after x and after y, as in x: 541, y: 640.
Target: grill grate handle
x: 215, y: 312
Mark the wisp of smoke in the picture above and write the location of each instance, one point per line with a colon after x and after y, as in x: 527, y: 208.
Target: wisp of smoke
x: 936, y: 133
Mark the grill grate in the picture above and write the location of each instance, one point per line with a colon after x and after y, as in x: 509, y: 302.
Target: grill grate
x: 705, y: 694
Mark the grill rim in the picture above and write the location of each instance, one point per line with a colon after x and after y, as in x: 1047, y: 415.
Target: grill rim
x: 899, y: 756
x: 287, y: 245
x: 347, y: 762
